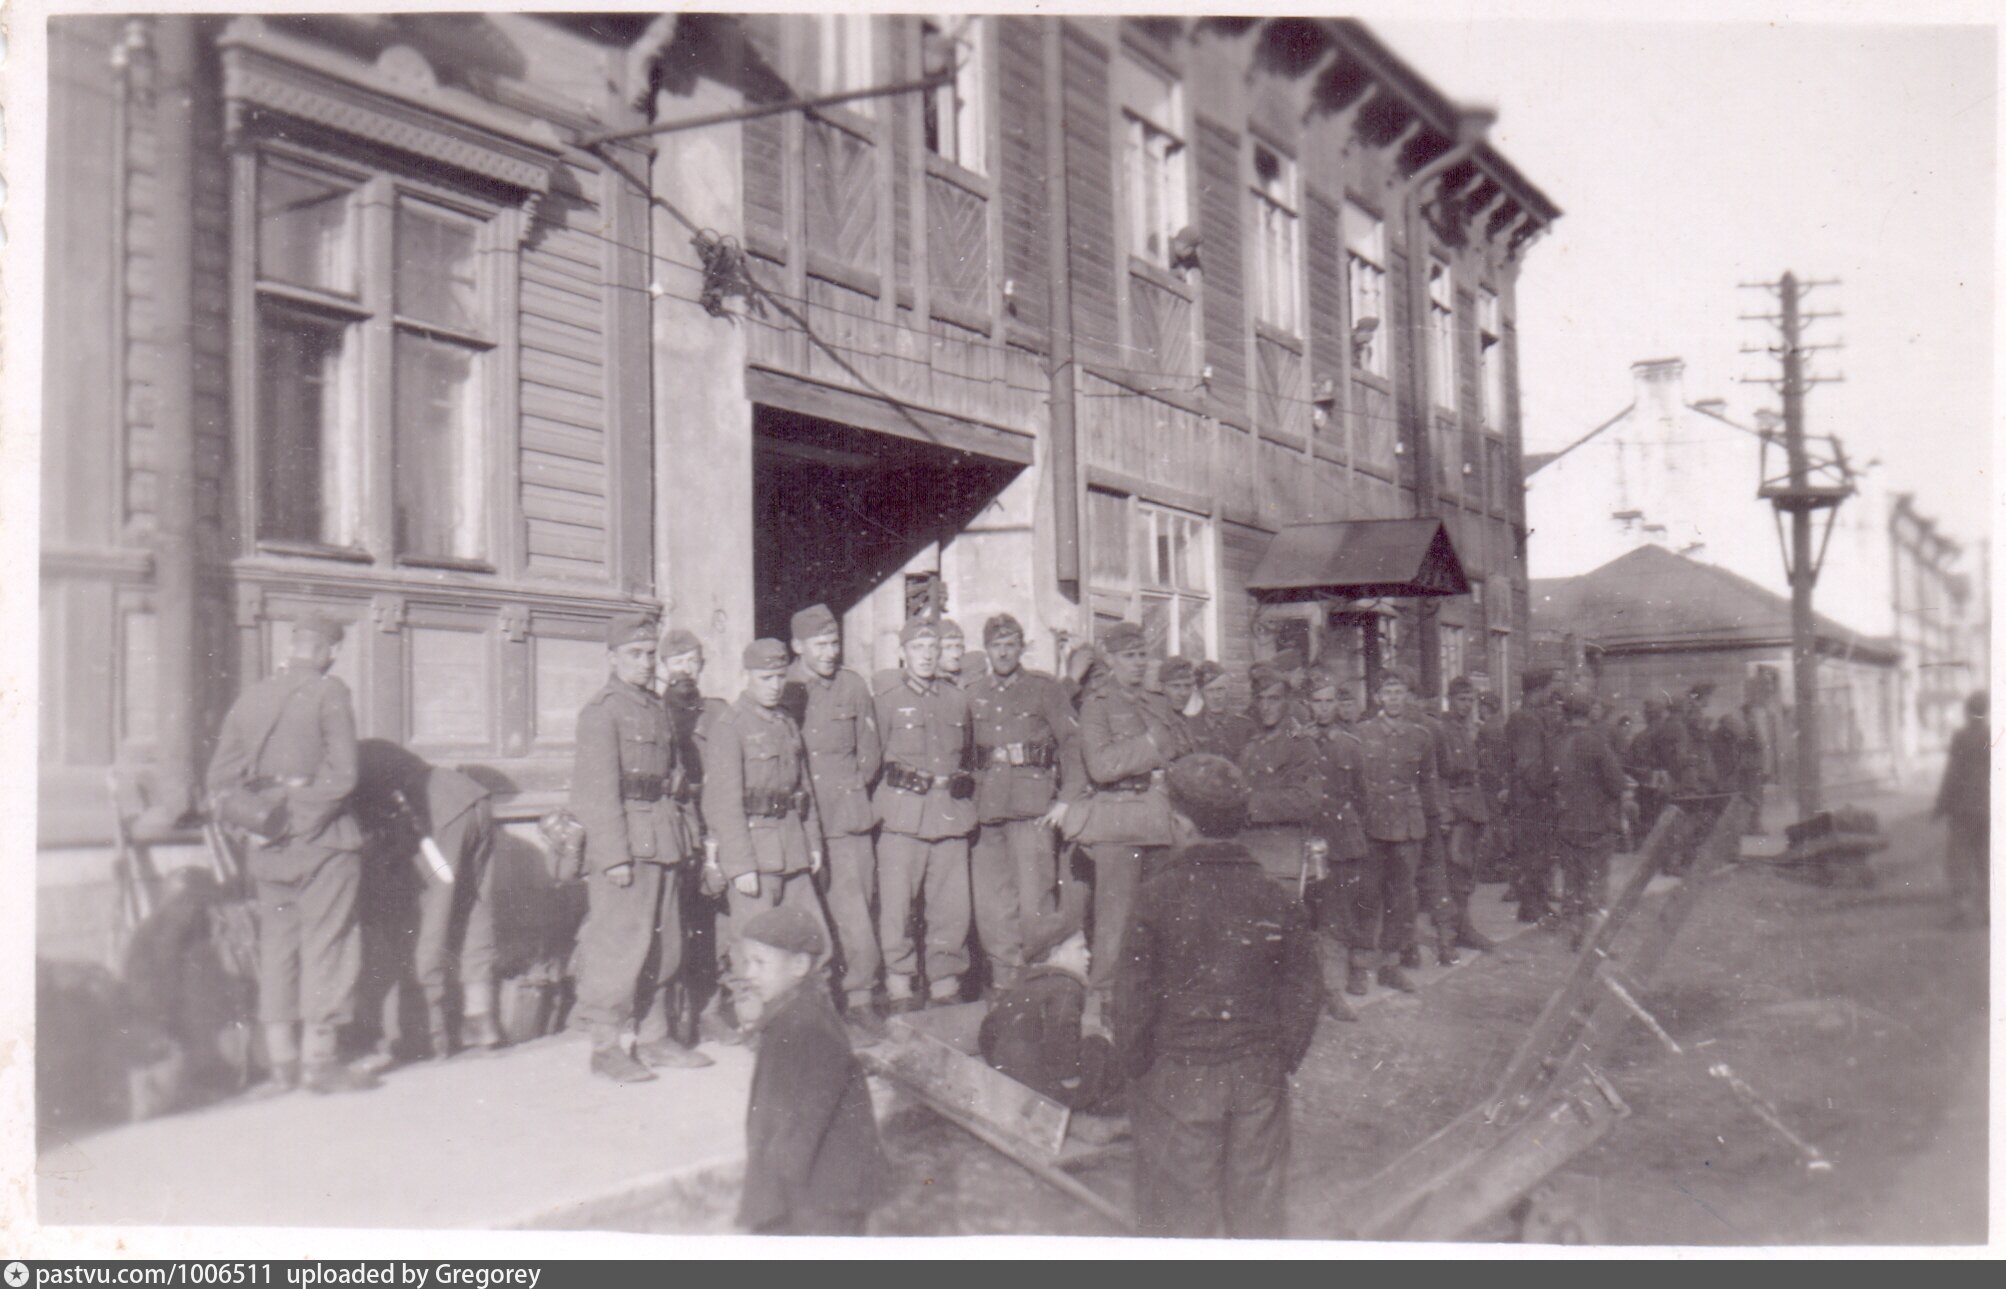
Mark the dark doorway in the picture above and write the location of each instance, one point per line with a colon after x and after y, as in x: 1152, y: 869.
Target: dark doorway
x: 837, y: 509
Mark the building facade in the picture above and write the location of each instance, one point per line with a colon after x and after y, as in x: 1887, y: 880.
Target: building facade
x: 476, y: 330
x: 1938, y: 626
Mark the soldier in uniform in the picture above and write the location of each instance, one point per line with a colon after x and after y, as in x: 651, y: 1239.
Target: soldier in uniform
x: 1494, y: 774
x: 1217, y: 728
x: 1022, y: 725
x: 1964, y: 803
x: 953, y: 653
x: 926, y: 799
x: 295, y: 731
x: 1640, y: 761
x: 1466, y: 812
x: 839, y: 727
x: 1216, y: 1004
x: 1529, y: 735
x: 756, y: 797
x: 625, y: 782
x: 1401, y: 809
x: 1120, y: 815
x: 1588, y: 800
x: 679, y: 664
x: 1177, y: 677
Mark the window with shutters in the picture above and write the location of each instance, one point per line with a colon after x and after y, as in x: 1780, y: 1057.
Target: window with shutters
x: 1441, y: 335
x: 956, y: 115
x: 1277, y: 241
x: 375, y: 330
x: 1365, y: 266
x: 1153, y: 564
x: 1154, y: 157
x: 1490, y: 358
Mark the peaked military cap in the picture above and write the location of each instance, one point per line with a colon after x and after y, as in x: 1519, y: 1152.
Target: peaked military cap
x: 1462, y: 685
x: 1178, y: 668
x: 1122, y: 636
x: 815, y: 620
x: 765, y: 655
x: 1266, y: 679
x: 629, y: 627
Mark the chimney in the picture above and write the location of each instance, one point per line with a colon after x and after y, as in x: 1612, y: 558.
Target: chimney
x: 1660, y: 387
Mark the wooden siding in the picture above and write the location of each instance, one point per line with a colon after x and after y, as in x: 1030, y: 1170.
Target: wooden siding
x: 1221, y: 200
x: 1023, y: 198
x: 1160, y: 327
x: 1241, y: 549
x: 1144, y: 438
x: 1090, y: 185
x: 957, y: 246
x: 1282, y: 399
x: 841, y: 194
x: 1327, y: 337
x: 562, y: 305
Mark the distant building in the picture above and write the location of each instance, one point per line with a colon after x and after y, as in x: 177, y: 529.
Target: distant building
x: 1651, y: 620
x: 1939, y: 622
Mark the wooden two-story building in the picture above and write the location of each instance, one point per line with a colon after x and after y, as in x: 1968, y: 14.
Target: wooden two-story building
x: 476, y: 330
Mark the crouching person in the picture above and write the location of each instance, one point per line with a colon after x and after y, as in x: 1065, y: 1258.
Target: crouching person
x: 1034, y: 1031
x: 813, y: 1162
x: 1216, y: 999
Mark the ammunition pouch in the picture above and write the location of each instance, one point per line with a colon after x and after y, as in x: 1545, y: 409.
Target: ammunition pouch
x: 906, y: 779
x: 961, y: 785
x: 776, y: 805
x: 643, y: 787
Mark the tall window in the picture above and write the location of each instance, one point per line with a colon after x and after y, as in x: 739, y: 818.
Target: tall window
x: 1277, y: 241
x: 1365, y: 265
x: 363, y: 285
x: 1152, y: 564
x: 1491, y: 358
x: 1441, y: 335
x: 841, y: 55
x: 956, y: 114
x: 1152, y: 108
x: 1454, y: 644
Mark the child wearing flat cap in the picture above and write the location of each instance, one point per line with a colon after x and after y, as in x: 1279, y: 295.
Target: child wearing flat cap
x: 813, y: 1165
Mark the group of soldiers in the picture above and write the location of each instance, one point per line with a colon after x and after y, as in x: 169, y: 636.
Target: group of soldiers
x: 932, y: 819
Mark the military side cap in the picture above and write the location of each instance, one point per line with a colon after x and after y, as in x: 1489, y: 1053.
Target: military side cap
x: 679, y: 642
x: 790, y: 929
x: 1208, y: 672
x: 1535, y: 678
x: 1122, y: 636
x: 1051, y: 930
x: 629, y: 627
x: 815, y: 620
x: 1001, y: 627
x: 1462, y: 685
x: 315, y: 623
x: 1266, y: 679
x: 765, y: 655
x: 1178, y: 669
x: 919, y: 629
x: 1210, y: 792
x: 950, y: 630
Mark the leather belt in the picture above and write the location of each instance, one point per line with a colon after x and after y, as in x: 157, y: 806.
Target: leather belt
x: 1042, y: 755
x: 1134, y: 784
x: 775, y: 805
x: 960, y: 785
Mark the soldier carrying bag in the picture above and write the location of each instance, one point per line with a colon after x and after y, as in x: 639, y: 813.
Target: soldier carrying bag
x: 256, y: 805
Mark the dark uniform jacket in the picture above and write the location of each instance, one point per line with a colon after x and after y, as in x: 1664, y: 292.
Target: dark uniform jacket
x: 436, y: 795
x: 1966, y: 791
x: 1220, y: 733
x: 626, y: 776
x: 310, y: 750
x: 1284, y: 770
x: 1218, y: 964
x: 1461, y: 769
x: 756, y: 798
x: 1588, y: 789
x: 1126, y: 737
x: 1402, y: 801
x: 1343, y: 822
x: 1696, y: 769
x: 839, y: 727
x: 1529, y: 737
x: 1033, y: 1035
x: 810, y: 1136
x: 925, y: 727
x: 1022, y: 723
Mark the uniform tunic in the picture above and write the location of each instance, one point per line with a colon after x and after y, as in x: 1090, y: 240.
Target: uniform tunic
x: 839, y: 727
x: 628, y: 772
x: 1401, y: 809
x: 309, y: 941
x: 1530, y: 736
x: 1588, y: 794
x: 1467, y: 811
x: 923, y: 850
x: 1220, y: 733
x: 1023, y: 724
x: 760, y: 809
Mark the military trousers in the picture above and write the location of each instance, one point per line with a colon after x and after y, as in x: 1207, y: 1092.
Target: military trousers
x: 310, y: 940
x: 1118, y: 874
x: 1387, y: 907
x: 852, y: 885
x: 1584, y: 866
x: 1533, y: 858
x: 630, y: 948
x: 456, y: 923
x: 1448, y: 882
x: 926, y: 880
x: 1014, y: 873
x: 1212, y: 1148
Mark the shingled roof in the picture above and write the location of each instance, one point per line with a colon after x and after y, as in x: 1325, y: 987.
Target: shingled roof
x: 1652, y: 599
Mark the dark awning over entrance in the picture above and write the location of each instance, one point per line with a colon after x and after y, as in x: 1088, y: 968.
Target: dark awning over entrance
x: 1360, y: 559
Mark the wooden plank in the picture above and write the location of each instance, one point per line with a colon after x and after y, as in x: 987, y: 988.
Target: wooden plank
x: 567, y: 542
x: 969, y: 1087
x: 555, y: 277
x: 583, y: 409
x: 561, y: 472
x: 585, y: 344
x: 560, y: 372
x: 563, y: 506
x: 1090, y: 187
x: 1221, y: 201
x: 577, y: 306
x: 558, y: 438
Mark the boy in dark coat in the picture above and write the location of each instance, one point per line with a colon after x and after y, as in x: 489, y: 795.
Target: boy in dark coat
x: 813, y: 1163
x: 1964, y: 801
x: 1033, y: 1033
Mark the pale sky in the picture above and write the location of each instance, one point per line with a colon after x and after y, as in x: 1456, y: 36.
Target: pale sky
x: 1689, y: 156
